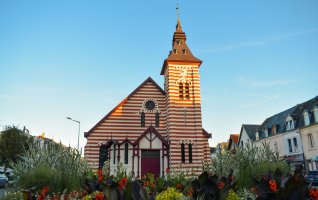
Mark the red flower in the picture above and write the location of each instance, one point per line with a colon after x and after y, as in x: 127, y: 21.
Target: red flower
x: 313, y: 193
x: 190, y: 191
x: 99, y: 196
x: 179, y: 187
x: 168, y: 170
x: 272, y: 185
x: 122, y: 183
x: 146, y: 183
x: 221, y: 185
x: 41, y: 197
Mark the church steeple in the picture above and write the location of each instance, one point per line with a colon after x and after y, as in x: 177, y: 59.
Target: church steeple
x: 180, y: 51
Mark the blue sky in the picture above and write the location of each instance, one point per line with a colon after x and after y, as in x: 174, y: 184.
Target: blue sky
x: 81, y: 58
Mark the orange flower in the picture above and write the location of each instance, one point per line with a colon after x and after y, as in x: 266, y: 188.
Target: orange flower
x: 179, y: 187
x: 100, y: 178
x: 313, y: 193
x: 146, y: 183
x: 190, y: 191
x: 221, y: 184
x: 99, y: 196
x: 272, y: 185
x: 122, y: 183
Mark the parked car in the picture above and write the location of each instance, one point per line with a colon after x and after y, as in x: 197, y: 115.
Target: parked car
x: 3, y: 180
x: 312, y: 176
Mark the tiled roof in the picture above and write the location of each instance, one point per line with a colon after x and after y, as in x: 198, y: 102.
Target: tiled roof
x: 250, y: 130
x: 180, y: 51
x: 296, y: 112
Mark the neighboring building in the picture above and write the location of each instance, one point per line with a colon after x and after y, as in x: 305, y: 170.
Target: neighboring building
x: 213, y: 152
x: 233, y: 141
x: 247, y: 134
x: 309, y: 134
x: 291, y: 134
x: 155, y: 128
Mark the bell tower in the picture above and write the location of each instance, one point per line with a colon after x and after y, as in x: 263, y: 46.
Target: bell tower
x: 188, y: 141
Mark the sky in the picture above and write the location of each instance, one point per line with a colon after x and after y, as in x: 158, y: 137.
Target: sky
x: 80, y: 58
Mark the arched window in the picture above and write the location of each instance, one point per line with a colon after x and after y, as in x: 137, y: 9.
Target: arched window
x: 184, y: 91
x: 157, y: 119
x: 126, y: 153
x: 103, y: 155
x: 142, y: 119
x: 190, y: 153
x: 182, y: 153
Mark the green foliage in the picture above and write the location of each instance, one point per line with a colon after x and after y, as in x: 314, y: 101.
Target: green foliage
x: 61, y: 167
x: 13, y: 143
x: 232, y: 196
x: 171, y: 194
x: 248, y: 162
x: 13, y: 196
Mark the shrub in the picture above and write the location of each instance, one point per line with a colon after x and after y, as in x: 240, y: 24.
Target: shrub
x: 59, y: 166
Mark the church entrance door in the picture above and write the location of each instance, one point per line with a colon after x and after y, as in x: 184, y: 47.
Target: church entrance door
x: 150, y: 162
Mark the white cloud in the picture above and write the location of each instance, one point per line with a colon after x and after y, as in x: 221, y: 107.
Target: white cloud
x: 262, y: 99
x: 263, y: 84
x: 265, y: 41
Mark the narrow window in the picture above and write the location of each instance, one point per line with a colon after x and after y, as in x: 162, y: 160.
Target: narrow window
x: 114, y: 160
x: 288, y: 126
x: 266, y: 132
x: 182, y: 153
x: 241, y: 143
x: 274, y: 129
x: 310, y: 141
x: 290, y: 146
x: 190, y: 153
x: 292, y: 124
x: 143, y: 119
x: 306, y: 118
x: 295, y: 144
x: 316, y: 114
x: 103, y: 155
x: 187, y: 91
x: 126, y: 153
x: 180, y: 90
x: 157, y: 119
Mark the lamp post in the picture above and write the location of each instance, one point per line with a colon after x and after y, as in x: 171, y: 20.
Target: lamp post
x: 79, y: 130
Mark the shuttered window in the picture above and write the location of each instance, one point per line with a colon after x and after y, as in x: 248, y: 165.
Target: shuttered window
x: 190, y: 153
x: 182, y: 153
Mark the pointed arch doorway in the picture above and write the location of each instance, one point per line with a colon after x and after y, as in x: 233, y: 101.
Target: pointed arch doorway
x: 150, y: 162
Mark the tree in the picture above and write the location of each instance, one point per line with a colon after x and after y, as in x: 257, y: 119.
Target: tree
x: 13, y: 143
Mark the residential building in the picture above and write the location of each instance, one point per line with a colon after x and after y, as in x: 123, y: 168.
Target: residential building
x: 247, y: 134
x: 233, y: 142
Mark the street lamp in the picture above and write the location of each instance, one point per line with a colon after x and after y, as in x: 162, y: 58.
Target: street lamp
x: 79, y: 130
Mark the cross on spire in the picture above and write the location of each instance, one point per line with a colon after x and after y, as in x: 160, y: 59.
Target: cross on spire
x: 178, y: 12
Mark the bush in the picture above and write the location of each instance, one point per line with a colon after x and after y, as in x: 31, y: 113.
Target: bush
x: 247, y: 162
x: 56, y: 166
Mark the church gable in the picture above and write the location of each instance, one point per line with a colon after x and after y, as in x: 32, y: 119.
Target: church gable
x: 124, y: 121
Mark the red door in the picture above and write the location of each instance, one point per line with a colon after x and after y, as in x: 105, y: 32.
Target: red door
x: 150, y: 162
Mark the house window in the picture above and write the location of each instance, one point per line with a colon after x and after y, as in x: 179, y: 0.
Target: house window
x: 266, y: 132
x: 257, y: 136
x: 114, y: 153
x: 103, y: 155
x: 190, y: 153
x: 241, y: 143
x: 182, y: 153
x: 306, y: 118
x: 157, y: 119
x: 142, y: 119
x: 316, y: 114
x: 295, y: 145
x: 310, y: 141
x: 184, y: 90
x: 126, y: 153
x: 290, y: 146
x: 274, y: 129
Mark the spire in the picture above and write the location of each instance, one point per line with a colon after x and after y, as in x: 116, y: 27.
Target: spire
x: 180, y: 51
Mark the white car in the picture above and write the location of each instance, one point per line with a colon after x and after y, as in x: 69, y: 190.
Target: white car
x: 3, y: 180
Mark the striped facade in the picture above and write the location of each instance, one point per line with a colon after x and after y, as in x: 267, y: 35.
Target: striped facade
x: 152, y: 125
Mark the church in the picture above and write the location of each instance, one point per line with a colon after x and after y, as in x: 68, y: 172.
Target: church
x: 154, y: 129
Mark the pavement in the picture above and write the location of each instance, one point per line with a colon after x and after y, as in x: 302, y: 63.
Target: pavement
x: 3, y: 191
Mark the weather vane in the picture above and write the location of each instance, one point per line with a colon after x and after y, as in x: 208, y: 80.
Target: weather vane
x: 178, y: 13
